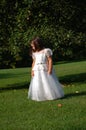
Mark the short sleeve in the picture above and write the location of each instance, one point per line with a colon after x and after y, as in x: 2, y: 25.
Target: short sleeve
x: 48, y: 52
x: 33, y: 56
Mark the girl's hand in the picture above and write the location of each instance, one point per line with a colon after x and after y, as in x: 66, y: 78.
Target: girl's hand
x: 32, y: 73
x: 49, y: 72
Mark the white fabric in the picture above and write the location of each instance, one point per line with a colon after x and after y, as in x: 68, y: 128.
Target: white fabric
x: 44, y: 86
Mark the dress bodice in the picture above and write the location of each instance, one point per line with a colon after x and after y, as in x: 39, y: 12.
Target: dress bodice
x: 41, y: 59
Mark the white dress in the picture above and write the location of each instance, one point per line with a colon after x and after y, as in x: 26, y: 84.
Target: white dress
x: 44, y: 86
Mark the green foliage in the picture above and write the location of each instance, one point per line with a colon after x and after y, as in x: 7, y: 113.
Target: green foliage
x: 60, y: 23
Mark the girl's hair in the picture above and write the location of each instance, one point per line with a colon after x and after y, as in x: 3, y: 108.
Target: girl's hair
x: 38, y: 43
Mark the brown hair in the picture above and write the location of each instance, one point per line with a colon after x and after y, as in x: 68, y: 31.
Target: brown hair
x: 38, y: 43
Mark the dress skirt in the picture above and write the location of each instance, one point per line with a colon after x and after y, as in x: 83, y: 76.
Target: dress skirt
x: 44, y: 86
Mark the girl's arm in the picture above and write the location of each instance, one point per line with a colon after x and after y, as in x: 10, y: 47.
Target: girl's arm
x: 50, y: 64
x: 32, y: 72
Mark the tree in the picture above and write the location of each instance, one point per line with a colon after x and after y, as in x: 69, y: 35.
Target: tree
x: 60, y: 23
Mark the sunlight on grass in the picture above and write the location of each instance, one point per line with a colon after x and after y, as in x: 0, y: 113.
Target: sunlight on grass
x: 17, y: 112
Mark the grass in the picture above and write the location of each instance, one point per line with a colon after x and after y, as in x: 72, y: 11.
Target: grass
x: 17, y: 112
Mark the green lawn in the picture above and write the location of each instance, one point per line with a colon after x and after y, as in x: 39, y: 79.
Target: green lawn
x: 17, y: 112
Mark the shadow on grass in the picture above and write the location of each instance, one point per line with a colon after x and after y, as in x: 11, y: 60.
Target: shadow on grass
x: 15, y: 87
x: 74, y: 78
x: 68, y: 79
x: 69, y: 95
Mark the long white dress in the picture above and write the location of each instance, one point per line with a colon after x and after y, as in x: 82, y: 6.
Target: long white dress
x: 44, y: 86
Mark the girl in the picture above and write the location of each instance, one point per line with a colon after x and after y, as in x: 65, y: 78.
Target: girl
x: 44, y: 83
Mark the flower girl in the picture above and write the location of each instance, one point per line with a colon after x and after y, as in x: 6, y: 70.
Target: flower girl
x: 44, y: 84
